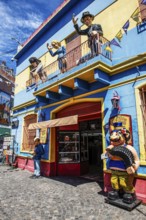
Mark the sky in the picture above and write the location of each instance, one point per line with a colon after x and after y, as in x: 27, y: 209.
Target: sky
x: 19, y: 19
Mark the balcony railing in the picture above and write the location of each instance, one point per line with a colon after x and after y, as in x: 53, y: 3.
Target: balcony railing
x: 75, y: 57
x: 7, y: 70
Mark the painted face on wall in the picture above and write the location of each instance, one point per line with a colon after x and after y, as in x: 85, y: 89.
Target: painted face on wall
x: 117, y: 138
x: 88, y: 21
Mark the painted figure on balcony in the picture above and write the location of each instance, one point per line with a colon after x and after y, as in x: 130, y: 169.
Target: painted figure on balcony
x: 123, y: 163
x: 61, y: 52
x: 93, y: 31
x: 37, y: 70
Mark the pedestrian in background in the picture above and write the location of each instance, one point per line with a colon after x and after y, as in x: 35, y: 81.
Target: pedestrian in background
x: 37, y: 155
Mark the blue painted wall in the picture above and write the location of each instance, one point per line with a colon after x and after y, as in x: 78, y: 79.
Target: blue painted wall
x: 132, y: 44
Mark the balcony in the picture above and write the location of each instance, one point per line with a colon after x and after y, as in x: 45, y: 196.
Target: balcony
x: 75, y: 58
x: 6, y: 86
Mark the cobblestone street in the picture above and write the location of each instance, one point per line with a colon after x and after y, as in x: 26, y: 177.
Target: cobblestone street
x: 57, y: 198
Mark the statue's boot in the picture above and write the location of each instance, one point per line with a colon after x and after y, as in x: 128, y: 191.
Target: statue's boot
x: 113, y: 195
x: 129, y: 198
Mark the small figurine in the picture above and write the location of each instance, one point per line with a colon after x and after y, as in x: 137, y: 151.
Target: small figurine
x: 61, y: 52
x: 123, y: 163
x: 37, y: 69
x: 92, y: 31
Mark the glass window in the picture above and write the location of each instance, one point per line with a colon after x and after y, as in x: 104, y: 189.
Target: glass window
x: 68, y: 147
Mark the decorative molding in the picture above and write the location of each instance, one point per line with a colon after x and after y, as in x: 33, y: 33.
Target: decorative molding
x: 81, y: 84
x: 64, y: 90
x: 52, y: 95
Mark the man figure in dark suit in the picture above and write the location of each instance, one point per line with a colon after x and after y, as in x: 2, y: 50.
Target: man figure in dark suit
x: 93, y: 31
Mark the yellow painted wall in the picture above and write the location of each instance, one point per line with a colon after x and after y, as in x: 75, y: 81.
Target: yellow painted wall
x: 20, y: 80
x: 115, y: 16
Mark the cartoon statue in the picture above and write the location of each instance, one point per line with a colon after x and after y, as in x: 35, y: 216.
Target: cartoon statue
x: 92, y: 31
x: 61, y: 52
x: 123, y: 163
x: 37, y: 69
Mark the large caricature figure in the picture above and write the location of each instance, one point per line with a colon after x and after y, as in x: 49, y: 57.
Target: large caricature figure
x: 37, y: 69
x: 91, y: 31
x: 61, y: 52
x: 123, y: 163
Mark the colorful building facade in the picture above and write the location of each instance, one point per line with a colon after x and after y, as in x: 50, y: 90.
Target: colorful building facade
x: 73, y: 112
x: 7, y: 80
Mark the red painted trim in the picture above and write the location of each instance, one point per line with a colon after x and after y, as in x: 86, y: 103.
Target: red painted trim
x: 69, y: 169
x: 47, y: 169
x: 80, y: 109
x: 90, y: 116
x: 69, y: 128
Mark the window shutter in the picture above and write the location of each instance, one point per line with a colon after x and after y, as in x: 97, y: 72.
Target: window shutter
x: 28, y: 135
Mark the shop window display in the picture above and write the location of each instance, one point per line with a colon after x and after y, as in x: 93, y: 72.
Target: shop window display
x: 69, y: 148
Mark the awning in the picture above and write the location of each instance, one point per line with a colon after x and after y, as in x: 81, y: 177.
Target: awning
x: 70, y: 120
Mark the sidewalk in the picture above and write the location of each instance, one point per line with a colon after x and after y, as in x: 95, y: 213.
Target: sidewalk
x: 57, y: 198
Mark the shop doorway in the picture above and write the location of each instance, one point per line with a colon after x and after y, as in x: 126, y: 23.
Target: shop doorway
x: 79, y: 146
x: 91, y: 148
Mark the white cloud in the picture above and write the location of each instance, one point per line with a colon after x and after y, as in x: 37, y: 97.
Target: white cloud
x: 19, y: 23
x: 19, y: 19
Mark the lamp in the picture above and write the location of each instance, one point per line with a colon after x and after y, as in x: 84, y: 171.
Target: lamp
x: 20, y: 46
x: 115, y: 100
x: 13, y: 38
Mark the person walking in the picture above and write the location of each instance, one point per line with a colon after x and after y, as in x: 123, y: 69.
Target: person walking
x: 37, y: 155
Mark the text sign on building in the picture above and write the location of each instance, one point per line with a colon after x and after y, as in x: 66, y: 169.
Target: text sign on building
x: 43, y: 135
x: 8, y: 141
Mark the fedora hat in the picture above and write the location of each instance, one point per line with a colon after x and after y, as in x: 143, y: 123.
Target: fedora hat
x: 85, y: 14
